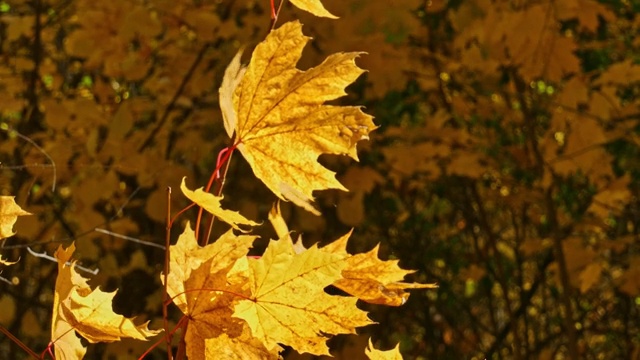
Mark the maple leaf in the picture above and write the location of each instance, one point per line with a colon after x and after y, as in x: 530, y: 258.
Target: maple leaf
x: 281, y: 122
x: 364, y: 275
x: 313, y: 6
x: 370, y: 279
x: 211, y: 203
x: 201, y: 286
x: 9, y: 212
x: 88, y: 312
x: 287, y: 302
x: 375, y: 354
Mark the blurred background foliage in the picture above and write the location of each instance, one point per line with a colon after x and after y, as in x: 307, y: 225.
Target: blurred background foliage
x: 506, y: 166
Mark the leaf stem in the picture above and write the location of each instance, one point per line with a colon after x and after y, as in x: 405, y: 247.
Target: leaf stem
x: 165, y: 294
x: 155, y: 345
x: 216, y: 174
x: 222, y: 177
x: 181, y: 211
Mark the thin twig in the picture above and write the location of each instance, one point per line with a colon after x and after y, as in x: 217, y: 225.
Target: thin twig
x: 274, y: 18
x: 129, y: 238
x: 68, y: 263
x: 214, y: 176
x: 221, y: 178
x: 126, y: 202
x: 84, y: 233
x: 24, y: 347
x: 22, y: 167
x: 172, y: 103
x: 33, y: 143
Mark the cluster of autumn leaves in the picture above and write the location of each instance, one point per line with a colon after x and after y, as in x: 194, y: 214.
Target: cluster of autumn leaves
x: 236, y: 306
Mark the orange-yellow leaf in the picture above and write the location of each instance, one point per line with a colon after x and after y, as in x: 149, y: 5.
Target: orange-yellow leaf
x: 200, y: 285
x: 211, y: 203
x: 370, y: 279
x: 313, y: 6
x: 88, y: 312
x: 186, y: 266
x: 9, y: 212
x: 374, y: 354
x: 67, y: 344
x: 282, y: 125
x: 288, y: 303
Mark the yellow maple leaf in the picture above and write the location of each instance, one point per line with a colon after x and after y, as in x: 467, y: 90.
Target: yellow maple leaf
x: 313, y: 6
x: 200, y: 285
x: 77, y: 308
x: 370, y: 279
x: 9, y: 212
x: 288, y: 303
x: 364, y: 275
x: 211, y: 203
x: 375, y: 354
x: 281, y: 123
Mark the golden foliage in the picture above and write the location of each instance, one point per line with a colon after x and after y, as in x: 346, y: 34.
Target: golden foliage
x: 364, y: 276
x: 200, y: 284
x: 506, y: 167
x: 77, y: 308
x: 370, y: 279
x: 282, y: 122
x: 287, y: 302
x: 240, y: 305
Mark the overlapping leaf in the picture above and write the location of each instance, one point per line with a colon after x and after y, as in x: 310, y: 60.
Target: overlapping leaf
x: 88, y: 312
x: 370, y: 279
x: 288, y: 303
x: 364, y: 276
x: 281, y: 123
x: 200, y: 285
